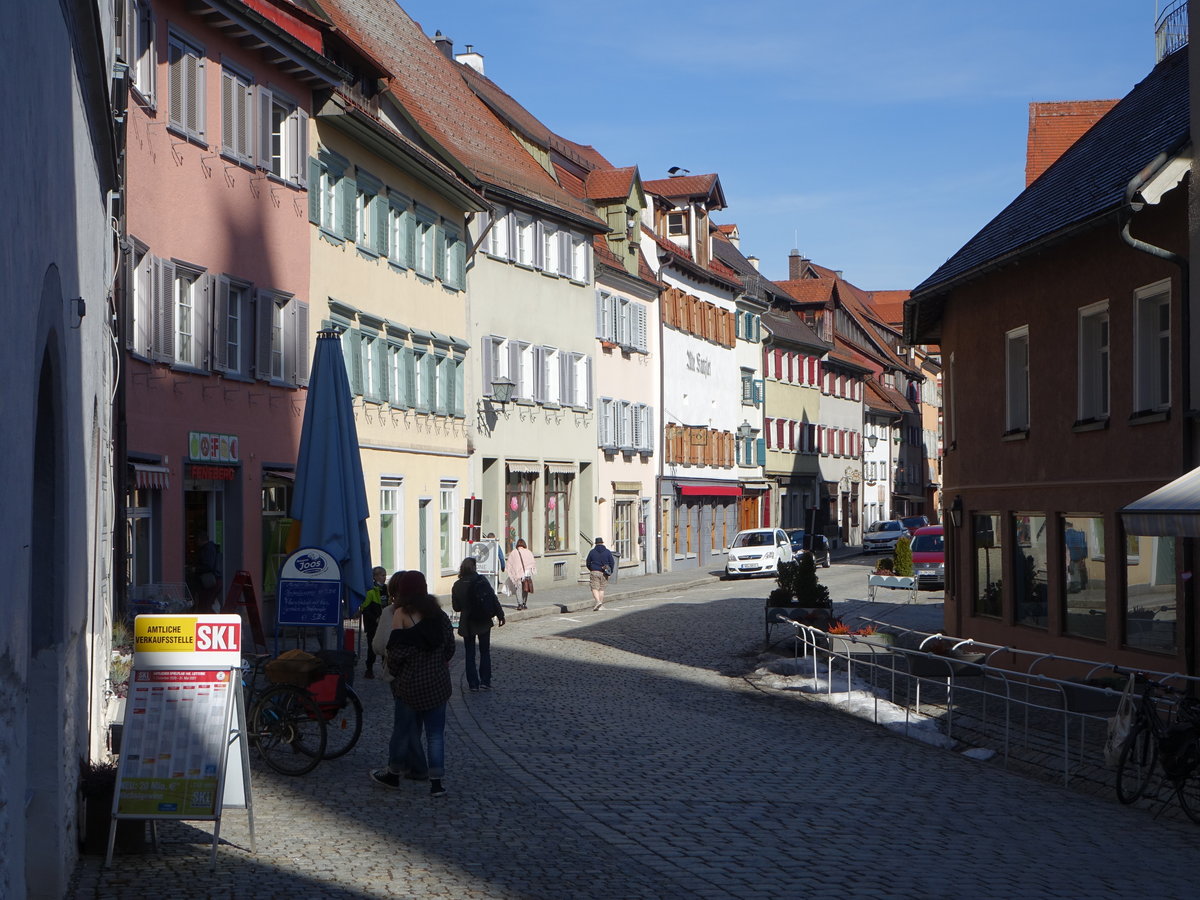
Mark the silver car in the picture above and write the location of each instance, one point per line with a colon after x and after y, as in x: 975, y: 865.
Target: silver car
x: 883, y: 536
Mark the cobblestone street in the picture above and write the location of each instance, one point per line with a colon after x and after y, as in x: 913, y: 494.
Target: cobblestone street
x: 622, y: 756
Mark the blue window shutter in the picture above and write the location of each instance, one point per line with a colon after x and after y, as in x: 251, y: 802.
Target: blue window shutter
x: 761, y: 448
x: 758, y: 391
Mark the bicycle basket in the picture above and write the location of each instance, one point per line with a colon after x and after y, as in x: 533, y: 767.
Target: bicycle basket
x: 295, y: 667
x: 1180, y: 750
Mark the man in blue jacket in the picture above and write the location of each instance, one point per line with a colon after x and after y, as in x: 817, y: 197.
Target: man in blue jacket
x: 600, y: 565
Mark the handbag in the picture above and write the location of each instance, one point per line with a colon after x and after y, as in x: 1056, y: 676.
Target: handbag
x: 527, y: 584
x: 1119, y: 726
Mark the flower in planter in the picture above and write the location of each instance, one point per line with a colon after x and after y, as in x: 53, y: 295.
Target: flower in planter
x: 837, y: 626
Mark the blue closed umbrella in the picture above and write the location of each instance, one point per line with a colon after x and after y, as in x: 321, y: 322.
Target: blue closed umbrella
x: 330, y: 498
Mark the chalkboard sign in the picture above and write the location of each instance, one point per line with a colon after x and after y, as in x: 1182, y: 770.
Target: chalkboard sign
x: 309, y: 590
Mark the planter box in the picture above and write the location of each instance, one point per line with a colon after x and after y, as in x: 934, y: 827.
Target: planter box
x: 815, y: 616
x: 891, y: 582
x: 945, y: 666
x: 860, y: 644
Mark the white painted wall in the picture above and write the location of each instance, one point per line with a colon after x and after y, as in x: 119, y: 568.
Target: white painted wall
x: 58, y: 245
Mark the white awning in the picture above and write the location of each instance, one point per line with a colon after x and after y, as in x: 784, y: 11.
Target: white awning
x: 523, y: 468
x: 150, y: 477
x: 560, y: 468
x: 1171, y: 511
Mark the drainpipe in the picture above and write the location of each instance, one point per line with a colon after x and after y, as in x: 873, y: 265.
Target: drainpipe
x: 1134, y: 202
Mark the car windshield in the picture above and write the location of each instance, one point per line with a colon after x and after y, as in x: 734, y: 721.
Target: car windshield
x: 887, y: 526
x: 796, y: 537
x: 928, y: 543
x: 754, y: 539
x: 915, y: 522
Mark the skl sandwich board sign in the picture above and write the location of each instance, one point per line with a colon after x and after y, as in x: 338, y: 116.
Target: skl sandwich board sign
x: 309, y: 590
x: 184, y: 691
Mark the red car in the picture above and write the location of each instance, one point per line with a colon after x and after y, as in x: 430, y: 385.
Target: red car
x: 929, y: 556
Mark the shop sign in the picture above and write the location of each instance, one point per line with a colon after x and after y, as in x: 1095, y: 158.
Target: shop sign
x: 204, y: 446
x: 212, y: 473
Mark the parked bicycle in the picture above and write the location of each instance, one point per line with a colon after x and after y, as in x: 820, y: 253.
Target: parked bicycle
x: 1166, y: 732
x: 286, y: 725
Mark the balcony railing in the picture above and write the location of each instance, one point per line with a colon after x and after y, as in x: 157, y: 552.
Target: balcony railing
x: 1171, y: 29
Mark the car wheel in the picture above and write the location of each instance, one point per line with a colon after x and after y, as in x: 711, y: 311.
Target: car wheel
x: 826, y: 563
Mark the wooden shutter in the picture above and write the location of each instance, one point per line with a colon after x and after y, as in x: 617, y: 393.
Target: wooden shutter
x: 379, y: 210
x: 409, y: 368
x: 298, y: 146
x: 265, y: 100
x: 459, y: 403
x: 539, y: 374
x: 439, y: 252
x: 202, y: 304
x: 301, y: 342
x: 488, y: 364
x: 164, y: 319
x: 263, y: 309
x: 348, y: 194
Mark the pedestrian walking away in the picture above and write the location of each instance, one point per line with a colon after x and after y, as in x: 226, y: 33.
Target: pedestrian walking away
x: 476, y: 603
x: 419, y: 650
x: 501, y: 582
x: 371, y: 610
x: 600, y: 564
x: 521, y: 569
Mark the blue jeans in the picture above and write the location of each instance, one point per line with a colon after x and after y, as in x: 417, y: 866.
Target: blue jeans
x: 405, y: 754
x: 470, y: 632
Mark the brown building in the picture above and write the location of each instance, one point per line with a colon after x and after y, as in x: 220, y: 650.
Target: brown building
x: 1065, y: 398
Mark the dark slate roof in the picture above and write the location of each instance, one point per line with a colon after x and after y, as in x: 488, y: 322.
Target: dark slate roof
x: 787, y: 326
x: 1088, y: 180
x: 752, y: 280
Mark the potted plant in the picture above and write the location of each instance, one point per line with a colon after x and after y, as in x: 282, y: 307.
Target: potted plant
x: 904, y: 562
x: 97, y: 787
x: 120, y: 667
x: 885, y: 566
x: 800, y: 596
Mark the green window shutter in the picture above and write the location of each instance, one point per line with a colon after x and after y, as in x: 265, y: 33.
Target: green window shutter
x: 761, y: 449
x: 302, y: 361
x: 409, y: 230
x: 410, y: 377
x: 353, y: 347
x: 439, y: 252
x: 348, y: 189
x: 314, y: 191
x: 379, y: 209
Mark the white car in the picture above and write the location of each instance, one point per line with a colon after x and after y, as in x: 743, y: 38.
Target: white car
x: 757, y: 551
x: 882, y: 536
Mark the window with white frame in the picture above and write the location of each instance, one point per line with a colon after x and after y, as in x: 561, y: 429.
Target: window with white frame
x: 373, y: 356
x: 237, y: 116
x: 231, y: 327
x: 140, y: 290
x: 426, y: 243
x: 137, y: 41
x: 391, y: 524
x: 1152, y: 357
x: 400, y: 376
x: 550, y: 248
x: 1093, y: 361
x: 1016, y: 379
x: 281, y: 338
x: 283, y: 145
x: 677, y: 224
x: 552, y: 376
x: 189, y: 317
x: 526, y: 235
x: 366, y: 223
x: 580, y: 256
x: 455, y: 249
x: 401, y: 231
x: 498, y: 237
x: 624, y: 530
x: 446, y: 504
x: 747, y: 387
x: 582, y: 381
x: 186, y: 67
x: 607, y: 423
x: 327, y: 181
x: 520, y: 369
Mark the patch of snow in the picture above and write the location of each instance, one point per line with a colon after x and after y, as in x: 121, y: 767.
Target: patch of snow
x: 980, y: 753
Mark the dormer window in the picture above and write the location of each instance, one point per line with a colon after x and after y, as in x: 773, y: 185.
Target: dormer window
x: 677, y: 224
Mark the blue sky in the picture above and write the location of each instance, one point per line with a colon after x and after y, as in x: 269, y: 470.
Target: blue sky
x: 875, y: 136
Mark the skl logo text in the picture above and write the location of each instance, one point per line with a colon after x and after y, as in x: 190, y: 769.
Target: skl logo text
x: 218, y: 637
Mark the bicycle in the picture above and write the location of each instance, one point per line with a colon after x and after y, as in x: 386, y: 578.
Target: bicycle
x: 284, y: 721
x: 1171, y: 741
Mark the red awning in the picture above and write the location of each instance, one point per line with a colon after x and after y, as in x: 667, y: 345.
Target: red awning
x: 710, y: 490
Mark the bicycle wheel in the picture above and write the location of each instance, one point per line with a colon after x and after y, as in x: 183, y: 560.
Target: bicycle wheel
x: 287, y: 727
x: 1136, y: 764
x: 343, y: 726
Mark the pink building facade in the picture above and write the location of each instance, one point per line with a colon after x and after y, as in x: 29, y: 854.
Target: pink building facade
x: 216, y: 330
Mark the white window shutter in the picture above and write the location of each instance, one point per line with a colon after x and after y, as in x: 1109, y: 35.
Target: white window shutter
x: 649, y: 429
x: 587, y: 380
x: 601, y: 304
x: 566, y: 383
x: 640, y: 340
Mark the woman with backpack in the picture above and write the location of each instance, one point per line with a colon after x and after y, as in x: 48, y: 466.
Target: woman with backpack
x: 475, y: 601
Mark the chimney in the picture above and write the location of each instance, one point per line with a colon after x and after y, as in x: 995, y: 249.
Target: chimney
x: 795, y: 266
x: 445, y: 44
x: 1054, y: 127
x: 471, y: 58
x: 753, y: 260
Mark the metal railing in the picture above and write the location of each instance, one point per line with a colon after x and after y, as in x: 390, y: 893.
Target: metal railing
x: 1171, y: 29
x: 984, y: 695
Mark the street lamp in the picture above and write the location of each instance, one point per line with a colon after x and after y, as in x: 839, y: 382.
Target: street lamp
x: 956, y: 511
x: 502, y: 389
x: 872, y: 440
x: 745, y: 430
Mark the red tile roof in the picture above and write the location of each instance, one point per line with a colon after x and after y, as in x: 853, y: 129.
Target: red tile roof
x: 890, y: 306
x: 876, y: 398
x: 727, y: 229
x: 432, y: 91
x: 609, y: 183
x: 809, y: 290
x: 683, y: 186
